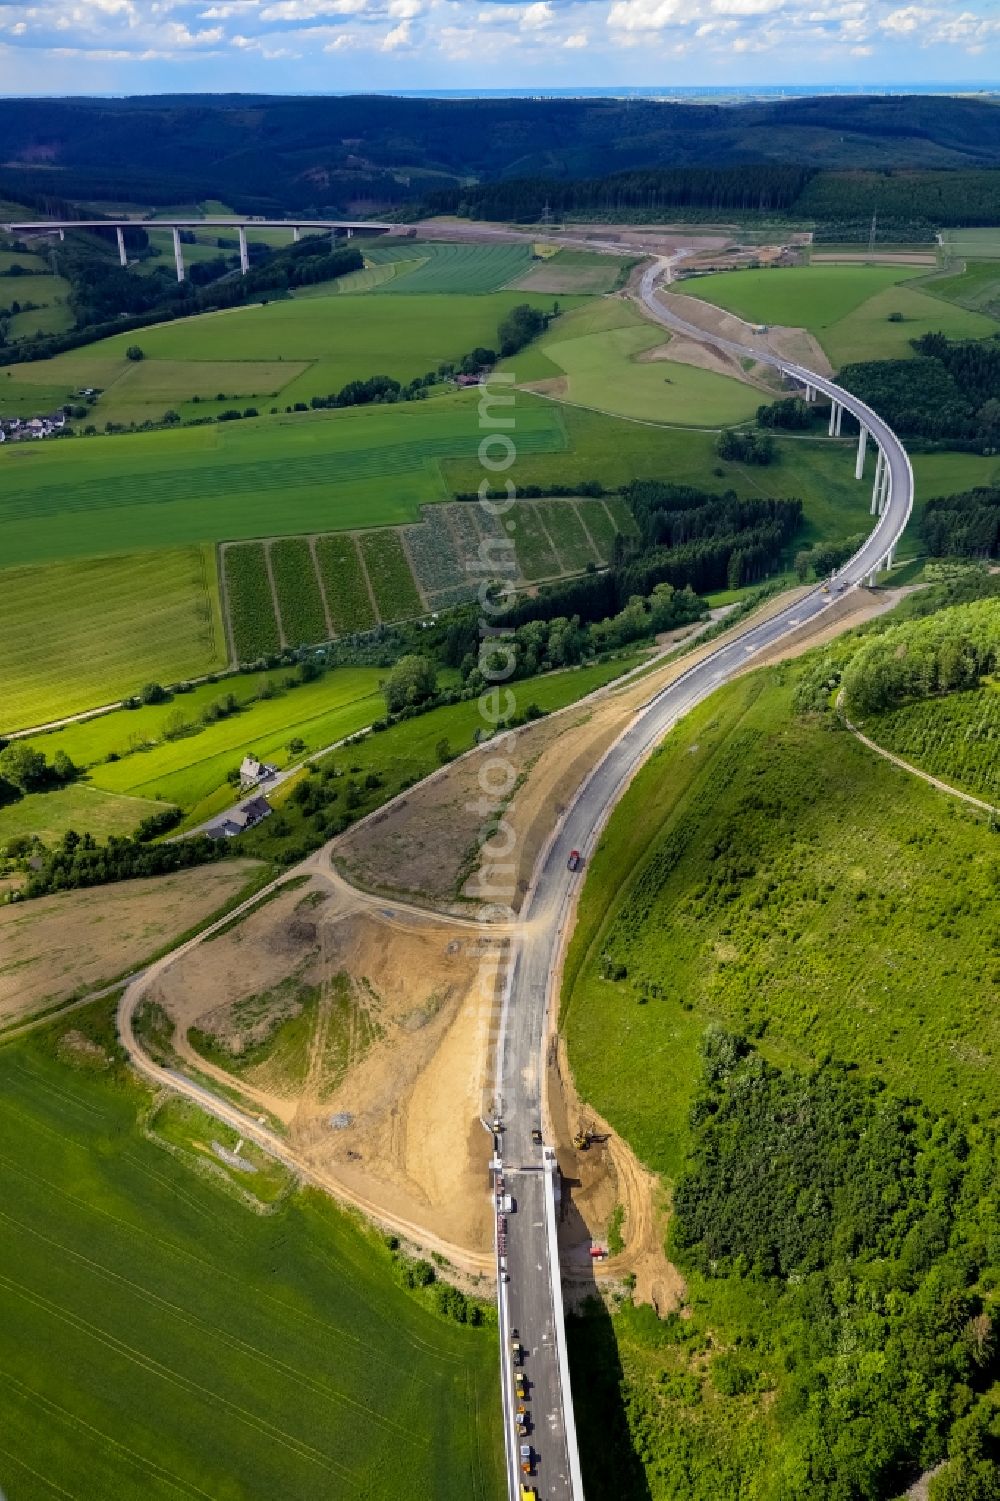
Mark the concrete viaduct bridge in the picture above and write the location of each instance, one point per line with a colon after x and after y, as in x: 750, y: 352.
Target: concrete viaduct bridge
x: 333, y: 227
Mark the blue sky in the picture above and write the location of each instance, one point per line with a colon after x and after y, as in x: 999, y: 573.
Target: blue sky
x: 151, y: 46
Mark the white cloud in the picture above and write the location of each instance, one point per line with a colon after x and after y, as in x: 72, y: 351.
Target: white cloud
x: 746, y: 7
x: 398, y: 39
x: 907, y: 19
x: 226, y: 12
x: 537, y: 16
x: 575, y: 40
x: 311, y: 10
x: 649, y: 15
x: 342, y: 43
x: 405, y: 9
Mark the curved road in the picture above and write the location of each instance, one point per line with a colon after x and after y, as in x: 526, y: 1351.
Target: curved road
x: 529, y: 1291
x: 531, y: 1301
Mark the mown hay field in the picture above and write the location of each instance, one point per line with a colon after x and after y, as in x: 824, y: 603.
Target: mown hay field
x: 83, y: 633
x: 160, y: 1336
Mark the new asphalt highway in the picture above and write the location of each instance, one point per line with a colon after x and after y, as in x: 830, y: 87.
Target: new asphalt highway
x: 530, y: 1301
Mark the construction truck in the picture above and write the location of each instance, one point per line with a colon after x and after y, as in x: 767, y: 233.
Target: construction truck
x: 528, y: 1493
x: 586, y: 1138
x: 527, y: 1459
x: 521, y: 1420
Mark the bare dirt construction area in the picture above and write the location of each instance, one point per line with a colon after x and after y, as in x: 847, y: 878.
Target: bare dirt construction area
x: 707, y: 357
x: 432, y: 844
x: 605, y: 1186
x: 794, y: 344
x: 60, y: 946
x: 364, y: 1028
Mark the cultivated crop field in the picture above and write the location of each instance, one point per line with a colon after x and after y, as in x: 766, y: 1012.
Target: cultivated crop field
x: 846, y: 307
x: 146, y: 1357
x: 250, y: 602
x: 300, y: 601
x: 390, y: 575
x: 345, y: 585
x: 579, y: 271
x: 87, y: 632
x: 396, y: 573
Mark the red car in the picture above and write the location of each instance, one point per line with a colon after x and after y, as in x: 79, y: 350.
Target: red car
x: 575, y: 861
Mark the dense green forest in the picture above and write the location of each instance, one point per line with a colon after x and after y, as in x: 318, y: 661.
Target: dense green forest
x: 963, y: 526
x: 948, y: 651
x: 871, y: 1225
x: 723, y: 190
x: 263, y: 154
x: 950, y: 392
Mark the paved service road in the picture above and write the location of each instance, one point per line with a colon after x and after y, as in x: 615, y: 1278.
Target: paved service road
x: 531, y: 1300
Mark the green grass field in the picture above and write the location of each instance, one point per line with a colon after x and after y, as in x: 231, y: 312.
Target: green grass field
x: 846, y: 307
x: 976, y: 285
x: 84, y: 633
x: 597, y: 347
x: 614, y: 451
x: 434, y: 267
x: 50, y: 294
x: 76, y: 806
x: 751, y: 873
x: 161, y: 1338
x: 752, y: 880
x: 321, y: 471
x: 976, y: 243
x: 323, y: 342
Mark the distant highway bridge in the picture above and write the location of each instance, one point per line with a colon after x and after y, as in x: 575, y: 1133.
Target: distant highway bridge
x: 348, y: 227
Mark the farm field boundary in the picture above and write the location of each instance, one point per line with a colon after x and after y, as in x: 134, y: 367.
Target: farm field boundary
x: 340, y: 583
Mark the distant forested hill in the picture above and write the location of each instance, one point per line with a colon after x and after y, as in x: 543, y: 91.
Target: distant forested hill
x: 366, y: 153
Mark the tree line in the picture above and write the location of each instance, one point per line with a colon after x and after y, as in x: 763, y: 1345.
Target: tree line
x: 763, y: 188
